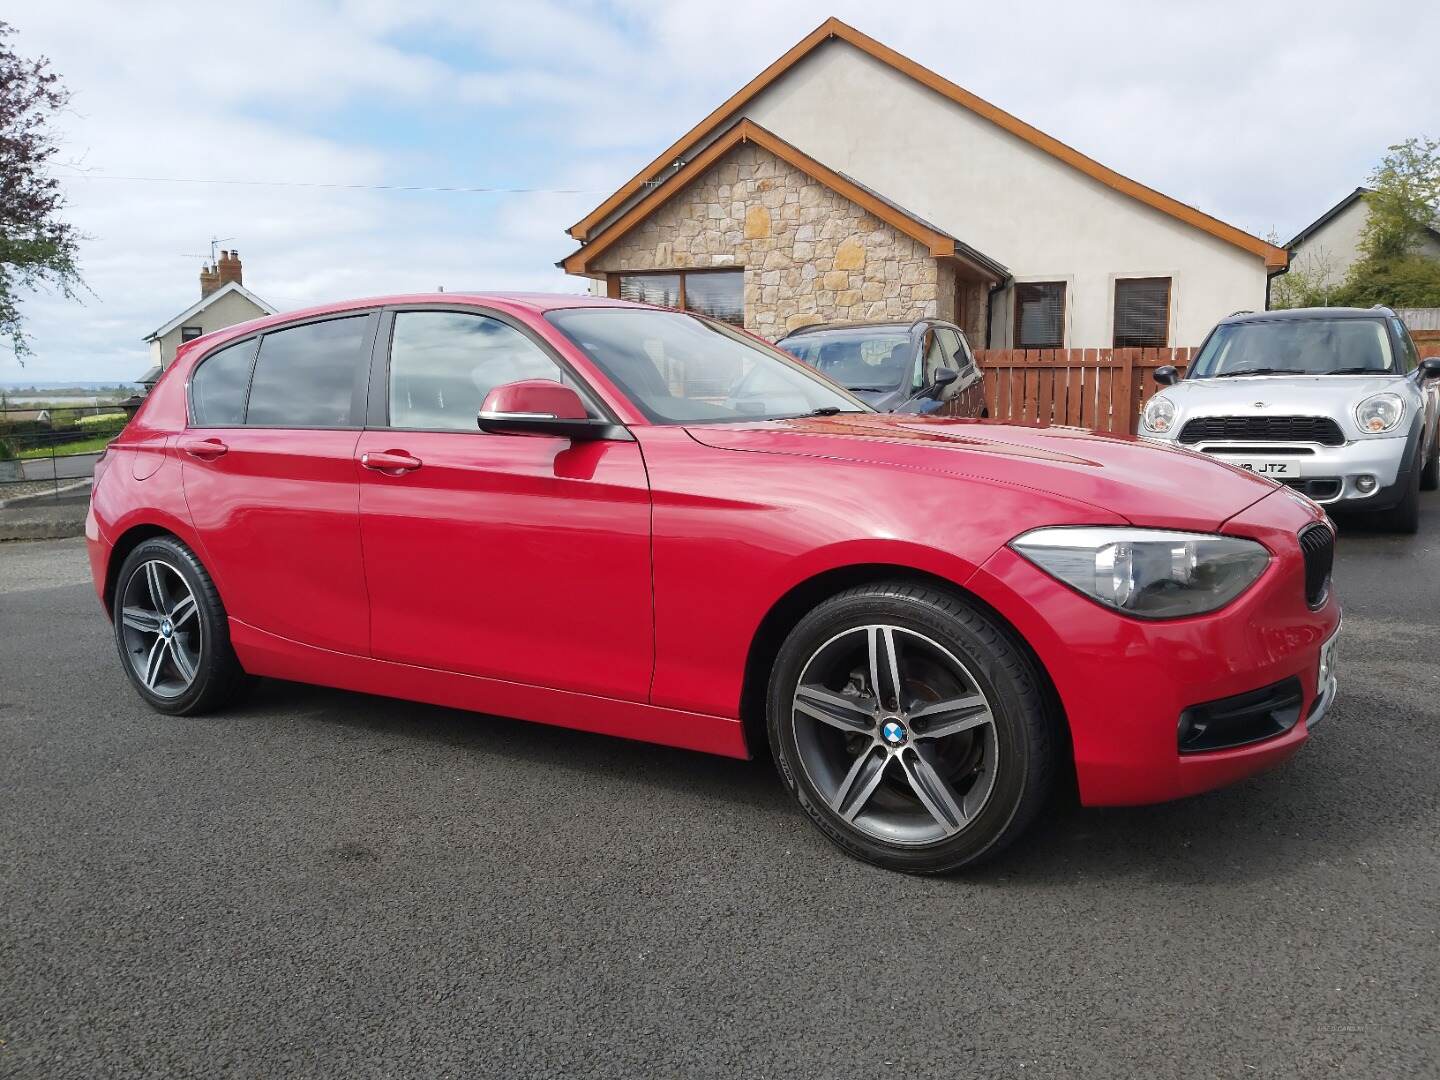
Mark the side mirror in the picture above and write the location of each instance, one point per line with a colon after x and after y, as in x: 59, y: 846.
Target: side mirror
x: 541, y: 407
x: 1166, y: 375
x: 943, y: 377
x: 1429, y: 368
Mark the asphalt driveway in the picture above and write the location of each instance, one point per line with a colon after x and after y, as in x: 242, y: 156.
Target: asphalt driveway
x: 323, y: 883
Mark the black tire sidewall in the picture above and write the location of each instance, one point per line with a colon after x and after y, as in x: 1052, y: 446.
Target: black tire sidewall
x: 214, y: 631
x: 1003, y: 674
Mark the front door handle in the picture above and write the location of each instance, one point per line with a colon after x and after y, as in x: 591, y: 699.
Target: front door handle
x: 204, y: 449
x: 390, y: 462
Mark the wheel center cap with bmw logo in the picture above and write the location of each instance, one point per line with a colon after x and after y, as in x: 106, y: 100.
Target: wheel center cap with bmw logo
x: 166, y: 629
x: 893, y: 732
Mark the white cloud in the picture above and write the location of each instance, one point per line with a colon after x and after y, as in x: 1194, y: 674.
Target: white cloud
x: 1262, y: 114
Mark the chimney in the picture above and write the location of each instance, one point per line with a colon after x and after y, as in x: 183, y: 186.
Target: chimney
x: 229, y: 268
x: 209, y: 280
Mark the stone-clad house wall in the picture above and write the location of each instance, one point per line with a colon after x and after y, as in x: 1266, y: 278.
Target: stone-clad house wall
x: 809, y: 254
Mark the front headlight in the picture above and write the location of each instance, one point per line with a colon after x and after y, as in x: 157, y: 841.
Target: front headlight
x: 1147, y: 572
x: 1380, y: 412
x: 1159, y: 415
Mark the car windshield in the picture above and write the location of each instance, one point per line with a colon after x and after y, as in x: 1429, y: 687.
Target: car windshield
x: 1296, y: 347
x: 680, y: 369
x: 863, y: 358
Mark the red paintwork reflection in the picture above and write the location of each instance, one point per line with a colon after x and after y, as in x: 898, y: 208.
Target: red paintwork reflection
x: 618, y: 586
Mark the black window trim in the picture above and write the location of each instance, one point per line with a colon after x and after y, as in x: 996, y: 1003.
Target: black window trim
x: 358, y: 392
x: 377, y: 406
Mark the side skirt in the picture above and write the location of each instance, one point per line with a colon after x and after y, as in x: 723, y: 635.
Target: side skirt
x: 266, y: 654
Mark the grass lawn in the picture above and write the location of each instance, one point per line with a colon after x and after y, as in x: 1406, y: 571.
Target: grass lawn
x: 79, y: 446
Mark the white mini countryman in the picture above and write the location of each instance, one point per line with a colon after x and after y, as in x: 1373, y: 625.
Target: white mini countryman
x: 1334, y: 402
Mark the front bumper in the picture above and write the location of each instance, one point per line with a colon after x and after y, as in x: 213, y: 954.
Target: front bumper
x: 1329, y: 475
x: 1125, y: 683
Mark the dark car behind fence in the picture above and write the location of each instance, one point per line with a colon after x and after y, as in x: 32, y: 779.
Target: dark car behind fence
x: 52, y: 446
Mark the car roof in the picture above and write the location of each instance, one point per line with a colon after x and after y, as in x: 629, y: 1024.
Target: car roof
x: 821, y: 328
x: 1301, y: 314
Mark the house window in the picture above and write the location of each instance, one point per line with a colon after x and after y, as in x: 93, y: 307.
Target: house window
x: 719, y: 294
x: 190, y: 333
x: 1142, y: 313
x: 1040, y: 315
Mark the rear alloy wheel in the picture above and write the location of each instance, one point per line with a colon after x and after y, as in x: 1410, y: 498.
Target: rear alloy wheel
x: 910, y: 728
x: 171, y: 631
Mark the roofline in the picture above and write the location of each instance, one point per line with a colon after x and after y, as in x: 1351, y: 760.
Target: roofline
x: 1344, y: 204
x: 1275, y: 257
x: 1325, y: 218
x: 940, y: 244
x: 206, y: 301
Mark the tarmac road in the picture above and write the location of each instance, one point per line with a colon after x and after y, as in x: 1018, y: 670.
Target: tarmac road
x: 327, y: 884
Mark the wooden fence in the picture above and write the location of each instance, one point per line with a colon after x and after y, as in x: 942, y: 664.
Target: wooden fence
x: 1099, y: 389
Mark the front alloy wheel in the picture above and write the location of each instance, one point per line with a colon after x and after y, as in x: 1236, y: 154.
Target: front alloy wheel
x: 910, y: 727
x: 895, y: 733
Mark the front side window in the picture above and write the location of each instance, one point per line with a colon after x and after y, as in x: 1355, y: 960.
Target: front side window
x: 217, y: 388
x: 719, y: 294
x: 305, y: 375
x: 1296, y: 347
x: 1040, y: 315
x: 1142, y: 313
x: 1409, y: 355
x: 958, y: 349
x: 444, y: 363
x: 679, y: 369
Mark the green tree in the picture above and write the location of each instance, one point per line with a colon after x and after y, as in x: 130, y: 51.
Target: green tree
x: 38, y: 249
x: 1402, y: 206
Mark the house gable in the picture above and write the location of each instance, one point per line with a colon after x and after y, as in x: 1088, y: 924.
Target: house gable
x: 808, y: 253
x: 833, y: 33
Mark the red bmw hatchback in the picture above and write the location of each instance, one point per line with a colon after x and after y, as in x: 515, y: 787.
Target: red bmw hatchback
x: 644, y: 523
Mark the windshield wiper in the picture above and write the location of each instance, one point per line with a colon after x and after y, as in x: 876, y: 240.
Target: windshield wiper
x: 870, y: 389
x: 1255, y: 371
x: 1351, y: 371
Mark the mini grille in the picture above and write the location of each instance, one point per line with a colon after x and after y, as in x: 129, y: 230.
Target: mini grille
x: 1317, y: 544
x: 1317, y: 429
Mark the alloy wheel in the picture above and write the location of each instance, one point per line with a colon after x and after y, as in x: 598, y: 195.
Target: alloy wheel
x: 160, y: 629
x: 895, y: 734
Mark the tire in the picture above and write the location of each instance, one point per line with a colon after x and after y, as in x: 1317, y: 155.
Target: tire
x: 1430, y: 477
x: 919, y: 785
x: 174, y: 647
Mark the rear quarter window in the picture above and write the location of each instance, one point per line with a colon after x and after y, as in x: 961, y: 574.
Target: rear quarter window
x: 217, y: 389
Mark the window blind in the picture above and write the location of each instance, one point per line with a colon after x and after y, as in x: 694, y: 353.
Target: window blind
x: 1142, y: 313
x: 1040, y: 315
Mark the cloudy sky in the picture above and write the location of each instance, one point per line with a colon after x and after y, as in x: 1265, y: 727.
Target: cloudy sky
x: 1260, y: 113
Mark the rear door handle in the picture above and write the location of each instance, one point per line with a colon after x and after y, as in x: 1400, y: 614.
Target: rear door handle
x: 204, y: 449
x: 393, y: 462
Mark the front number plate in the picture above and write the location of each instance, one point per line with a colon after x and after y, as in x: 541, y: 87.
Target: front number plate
x: 1327, y: 662
x: 1280, y: 470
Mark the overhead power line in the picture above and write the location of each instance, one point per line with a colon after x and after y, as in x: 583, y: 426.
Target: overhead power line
x: 345, y: 187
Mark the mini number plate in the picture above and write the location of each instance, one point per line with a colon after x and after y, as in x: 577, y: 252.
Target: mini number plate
x: 1280, y: 470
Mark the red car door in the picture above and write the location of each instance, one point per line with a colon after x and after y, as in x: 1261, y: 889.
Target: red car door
x: 524, y: 558
x: 269, y: 474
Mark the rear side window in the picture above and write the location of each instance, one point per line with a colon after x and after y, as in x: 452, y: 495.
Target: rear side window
x: 305, y: 376
x: 217, y: 389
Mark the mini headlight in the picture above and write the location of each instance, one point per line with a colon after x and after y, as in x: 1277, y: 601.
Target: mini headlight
x: 1380, y: 412
x: 1159, y: 415
x: 1147, y: 572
